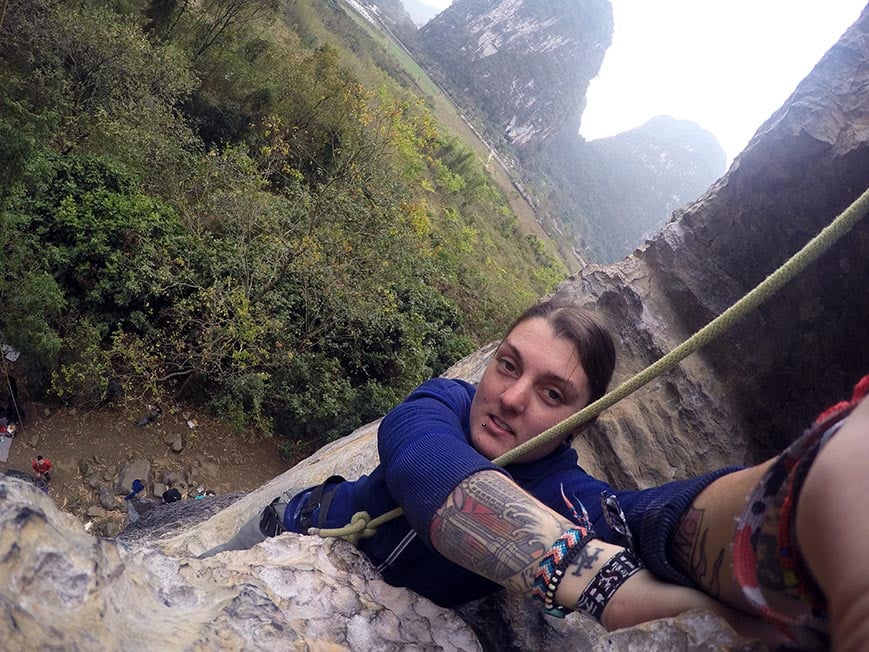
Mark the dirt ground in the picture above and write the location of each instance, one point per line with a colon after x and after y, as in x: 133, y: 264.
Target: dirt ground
x: 81, y: 443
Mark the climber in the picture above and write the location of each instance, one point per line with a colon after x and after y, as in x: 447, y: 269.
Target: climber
x: 471, y: 527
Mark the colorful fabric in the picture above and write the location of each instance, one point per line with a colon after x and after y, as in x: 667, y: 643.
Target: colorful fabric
x: 555, y: 562
x: 786, y: 594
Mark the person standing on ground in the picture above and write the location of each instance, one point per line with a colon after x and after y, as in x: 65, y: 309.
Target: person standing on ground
x: 171, y: 495
x: 42, y: 467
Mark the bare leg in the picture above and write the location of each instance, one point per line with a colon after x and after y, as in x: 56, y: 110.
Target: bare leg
x: 833, y: 529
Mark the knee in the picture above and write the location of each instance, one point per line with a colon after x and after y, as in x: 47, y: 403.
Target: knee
x: 832, y: 519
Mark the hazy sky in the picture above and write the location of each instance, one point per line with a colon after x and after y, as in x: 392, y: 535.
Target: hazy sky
x: 724, y: 65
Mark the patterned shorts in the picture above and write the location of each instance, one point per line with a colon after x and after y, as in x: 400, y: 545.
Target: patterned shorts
x: 785, y: 590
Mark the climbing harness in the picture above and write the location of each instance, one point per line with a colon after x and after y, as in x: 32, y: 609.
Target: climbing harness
x: 363, y: 526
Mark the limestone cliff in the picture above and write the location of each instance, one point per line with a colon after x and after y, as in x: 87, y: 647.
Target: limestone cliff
x: 744, y: 396
x: 751, y: 392
x: 522, y: 65
x: 619, y: 190
x: 520, y: 70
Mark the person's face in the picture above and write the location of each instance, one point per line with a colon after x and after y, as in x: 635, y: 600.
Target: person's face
x: 534, y: 381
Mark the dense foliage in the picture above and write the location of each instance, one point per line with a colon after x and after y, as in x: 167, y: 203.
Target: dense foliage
x: 231, y: 200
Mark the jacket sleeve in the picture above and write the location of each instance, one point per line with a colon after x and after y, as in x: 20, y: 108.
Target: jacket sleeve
x: 653, y: 515
x: 424, y: 449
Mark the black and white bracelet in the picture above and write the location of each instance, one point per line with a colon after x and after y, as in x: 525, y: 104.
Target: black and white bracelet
x: 606, y: 582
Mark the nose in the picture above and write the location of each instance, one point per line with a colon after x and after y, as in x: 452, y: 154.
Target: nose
x: 514, y: 397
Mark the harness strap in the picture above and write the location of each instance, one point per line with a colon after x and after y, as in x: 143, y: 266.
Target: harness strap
x: 319, y: 498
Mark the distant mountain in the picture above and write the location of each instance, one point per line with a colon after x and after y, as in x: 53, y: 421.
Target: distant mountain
x: 615, y: 192
x: 520, y: 66
x: 520, y: 70
x: 420, y: 12
x: 393, y: 14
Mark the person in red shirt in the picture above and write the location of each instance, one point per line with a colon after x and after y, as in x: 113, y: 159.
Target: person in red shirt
x: 42, y: 467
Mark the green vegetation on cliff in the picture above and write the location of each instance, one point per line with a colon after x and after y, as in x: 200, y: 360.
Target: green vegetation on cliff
x: 234, y: 200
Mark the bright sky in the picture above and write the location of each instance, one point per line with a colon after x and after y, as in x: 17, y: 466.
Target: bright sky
x: 724, y: 65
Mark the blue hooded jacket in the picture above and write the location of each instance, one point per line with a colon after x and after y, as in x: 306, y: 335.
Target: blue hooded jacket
x: 425, y: 452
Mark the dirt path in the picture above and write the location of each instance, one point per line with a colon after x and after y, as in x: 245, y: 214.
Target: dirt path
x: 90, y: 447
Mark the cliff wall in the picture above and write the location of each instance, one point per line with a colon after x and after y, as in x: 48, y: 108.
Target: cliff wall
x: 740, y: 399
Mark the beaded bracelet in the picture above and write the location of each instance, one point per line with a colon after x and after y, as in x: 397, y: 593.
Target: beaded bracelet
x: 606, y: 582
x: 554, y: 564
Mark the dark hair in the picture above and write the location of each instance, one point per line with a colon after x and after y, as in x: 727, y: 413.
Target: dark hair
x: 39, y: 457
x: 594, y: 345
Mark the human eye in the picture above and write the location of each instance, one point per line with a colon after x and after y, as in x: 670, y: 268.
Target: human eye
x: 507, y: 365
x: 552, y: 395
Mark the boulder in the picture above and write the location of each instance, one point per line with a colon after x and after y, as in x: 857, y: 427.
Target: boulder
x: 135, y: 469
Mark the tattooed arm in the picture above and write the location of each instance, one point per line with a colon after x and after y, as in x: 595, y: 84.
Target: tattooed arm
x: 492, y: 527
x: 701, y: 544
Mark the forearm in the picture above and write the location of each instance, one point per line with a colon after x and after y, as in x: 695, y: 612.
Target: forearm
x: 702, y: 544
x: 492, y: 527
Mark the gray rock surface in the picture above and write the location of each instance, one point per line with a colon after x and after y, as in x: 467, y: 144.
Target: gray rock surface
x: 524, y: 65
x: 754, y: 389
x: 62, y: 588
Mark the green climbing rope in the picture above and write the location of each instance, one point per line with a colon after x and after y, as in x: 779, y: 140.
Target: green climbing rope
x: 362, y: 526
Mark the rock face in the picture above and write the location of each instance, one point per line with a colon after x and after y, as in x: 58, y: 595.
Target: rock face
x: 744, y: 396
x: 523, y: 65
x: 754, y: 389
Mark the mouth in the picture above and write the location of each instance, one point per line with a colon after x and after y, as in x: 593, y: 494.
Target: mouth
x: 500, y: 425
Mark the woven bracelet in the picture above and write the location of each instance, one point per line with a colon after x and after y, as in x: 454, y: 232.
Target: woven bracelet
x: 606, y: 582
x: 554, y: 564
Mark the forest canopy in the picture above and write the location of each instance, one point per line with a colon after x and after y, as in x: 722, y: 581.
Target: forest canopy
x: 233, y: 202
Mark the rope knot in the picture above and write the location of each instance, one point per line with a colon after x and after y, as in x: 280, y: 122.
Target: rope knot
x: 359, y: 528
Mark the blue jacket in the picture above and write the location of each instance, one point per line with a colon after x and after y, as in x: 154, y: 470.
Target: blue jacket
x: 425, y: 453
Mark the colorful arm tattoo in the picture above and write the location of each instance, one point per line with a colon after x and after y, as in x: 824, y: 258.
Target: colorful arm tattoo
x: 493, y: 528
